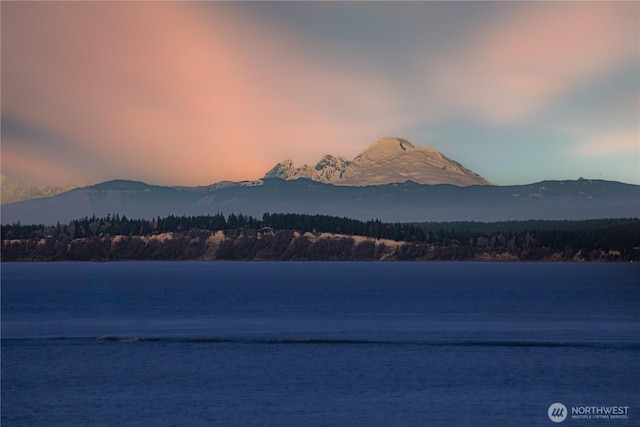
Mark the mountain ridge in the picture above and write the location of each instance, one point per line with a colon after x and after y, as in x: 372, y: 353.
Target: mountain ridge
x: 407, y: 202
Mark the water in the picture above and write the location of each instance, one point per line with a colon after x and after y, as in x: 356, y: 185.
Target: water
x: 261, y: 344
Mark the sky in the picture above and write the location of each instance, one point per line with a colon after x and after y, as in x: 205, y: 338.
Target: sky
x: 193, y: 93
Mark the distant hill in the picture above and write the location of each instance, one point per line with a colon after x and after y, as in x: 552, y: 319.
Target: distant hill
x: 389, y: 160
x: 16, y: 190
x: 405, y: 202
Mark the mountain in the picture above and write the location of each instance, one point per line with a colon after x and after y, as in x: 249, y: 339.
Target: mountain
x: 389, y: 160
x: 16, y: 190
x: 406, y: 202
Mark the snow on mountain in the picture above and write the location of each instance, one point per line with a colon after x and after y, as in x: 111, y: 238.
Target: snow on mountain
x: 330, y: 169
x: 16, y: 190
x: 389, y: 160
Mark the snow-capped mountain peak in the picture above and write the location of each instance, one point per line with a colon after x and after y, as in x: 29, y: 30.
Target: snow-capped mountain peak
x: 386, y: 147
x: 388, y: 160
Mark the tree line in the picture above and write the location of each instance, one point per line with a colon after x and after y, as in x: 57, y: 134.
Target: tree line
x: 121, y: 225
x: 273, y: 237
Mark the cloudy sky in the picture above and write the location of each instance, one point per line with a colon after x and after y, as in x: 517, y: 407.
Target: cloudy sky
x: 194, y: 93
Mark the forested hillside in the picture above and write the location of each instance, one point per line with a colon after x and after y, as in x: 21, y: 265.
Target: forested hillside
x: 319, y: 237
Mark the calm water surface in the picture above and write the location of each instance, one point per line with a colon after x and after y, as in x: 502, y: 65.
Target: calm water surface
x: 319, y: 343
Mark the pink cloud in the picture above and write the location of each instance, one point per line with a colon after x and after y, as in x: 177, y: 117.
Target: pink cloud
x: 533, y: 54
x: 192, y: 93
x: 171, y: 94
